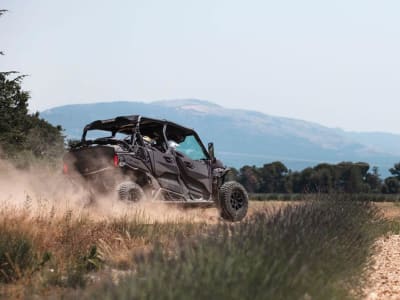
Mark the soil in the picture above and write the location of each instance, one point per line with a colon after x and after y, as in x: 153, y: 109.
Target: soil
x: 384, y: 277
x: 391, y: 210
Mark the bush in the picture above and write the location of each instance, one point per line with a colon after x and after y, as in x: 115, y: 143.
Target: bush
x: 313, y: 250
x: 16, y: 253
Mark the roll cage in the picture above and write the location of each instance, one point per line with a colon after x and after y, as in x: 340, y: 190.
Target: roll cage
x: 136, y: 127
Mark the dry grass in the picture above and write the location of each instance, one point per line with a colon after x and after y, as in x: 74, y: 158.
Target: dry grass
x: 391, y: 210
x: 44, y: 250
x: 311, y: 251
x: 66, y: 245
x: 64, y: 249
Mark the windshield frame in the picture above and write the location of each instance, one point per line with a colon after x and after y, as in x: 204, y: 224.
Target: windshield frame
x: 185, y: 134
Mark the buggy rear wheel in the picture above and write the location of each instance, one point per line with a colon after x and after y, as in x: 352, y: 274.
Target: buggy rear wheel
x: 233, y: 201
x: 130, y: 192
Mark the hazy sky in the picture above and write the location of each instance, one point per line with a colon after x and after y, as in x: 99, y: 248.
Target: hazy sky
x: 332, y: 62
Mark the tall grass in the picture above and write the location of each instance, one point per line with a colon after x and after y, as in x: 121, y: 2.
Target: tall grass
x: 313, y: 251
x: 16, y: 253
x: 44, y: 251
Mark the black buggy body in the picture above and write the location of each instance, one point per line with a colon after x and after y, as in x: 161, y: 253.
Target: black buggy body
x: 155, y: 160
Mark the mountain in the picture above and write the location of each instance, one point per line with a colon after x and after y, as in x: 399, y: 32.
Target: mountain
x: 380, y: 141
x: 243, y: 136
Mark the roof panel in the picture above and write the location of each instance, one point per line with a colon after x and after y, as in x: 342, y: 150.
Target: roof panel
x: 120, y: 122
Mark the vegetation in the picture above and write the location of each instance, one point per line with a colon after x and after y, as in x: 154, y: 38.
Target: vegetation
x: 311, y: 196
x: 316, y: 249
x: 44, y: 251
x: 344, y: 177
x: 24, y: 136
x: 312, y: 251
x: 16, y: 253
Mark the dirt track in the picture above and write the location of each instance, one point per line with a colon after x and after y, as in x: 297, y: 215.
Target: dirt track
x: 384, y: 278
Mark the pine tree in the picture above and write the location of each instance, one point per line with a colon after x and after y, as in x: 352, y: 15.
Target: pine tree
x: 23, y: 134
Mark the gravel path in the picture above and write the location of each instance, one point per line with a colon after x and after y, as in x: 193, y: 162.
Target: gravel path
x: 384, y: 279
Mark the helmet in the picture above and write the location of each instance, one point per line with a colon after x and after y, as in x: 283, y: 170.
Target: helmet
x: 147, y: 139
x: 172, y: 144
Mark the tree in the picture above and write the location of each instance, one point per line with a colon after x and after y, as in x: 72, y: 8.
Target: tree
x: 395, y: 171
x: 2, y: 11
x: 273, y: 177
x: 305, y: 182
x: 22, y: 134
x: 350, y: 177
x: 323, y: 178
x: 13, y: 110
x: 21, y: 131
x: 249, y: 177
x: 293, y: 182
x: 373, y: 180
x: 391, y: 186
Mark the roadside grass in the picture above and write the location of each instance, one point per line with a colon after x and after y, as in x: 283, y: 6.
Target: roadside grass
x: 317, y: 250
x: 16, y: 252
x: 306, y: 250
x: 393, y: 226
x: 41, y: 252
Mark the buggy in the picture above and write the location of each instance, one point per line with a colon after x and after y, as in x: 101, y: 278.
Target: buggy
x: 146, y: 159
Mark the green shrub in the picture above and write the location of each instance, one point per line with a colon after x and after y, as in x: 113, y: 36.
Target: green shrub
x: 16, y: 254
x: 77, y: 272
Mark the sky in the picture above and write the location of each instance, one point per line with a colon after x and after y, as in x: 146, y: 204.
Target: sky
x: 336, y: 63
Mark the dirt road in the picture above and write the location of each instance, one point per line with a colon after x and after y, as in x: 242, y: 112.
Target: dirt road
x: 383, y: 279
x: 384, y: 276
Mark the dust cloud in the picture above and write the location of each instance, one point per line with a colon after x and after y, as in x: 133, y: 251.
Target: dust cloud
x: 41, y: 190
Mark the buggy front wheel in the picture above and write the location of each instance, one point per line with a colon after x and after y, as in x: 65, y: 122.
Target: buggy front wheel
x: 233, y: 201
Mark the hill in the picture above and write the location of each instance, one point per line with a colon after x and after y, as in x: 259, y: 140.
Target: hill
x: 243, y: 136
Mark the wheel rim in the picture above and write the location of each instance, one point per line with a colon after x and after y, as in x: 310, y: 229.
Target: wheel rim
x: 237, y: 199
x: 133, y: 195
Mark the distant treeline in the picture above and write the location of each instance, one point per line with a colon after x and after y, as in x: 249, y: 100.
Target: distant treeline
x: 344, y: 177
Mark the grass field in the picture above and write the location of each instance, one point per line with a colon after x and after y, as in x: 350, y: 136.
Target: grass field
x: 283, y: 250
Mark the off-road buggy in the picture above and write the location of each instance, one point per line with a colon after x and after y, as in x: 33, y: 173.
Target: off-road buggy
x: 144, y: 159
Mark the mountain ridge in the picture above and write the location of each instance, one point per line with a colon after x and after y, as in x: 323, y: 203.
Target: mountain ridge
x: 244, y: 136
